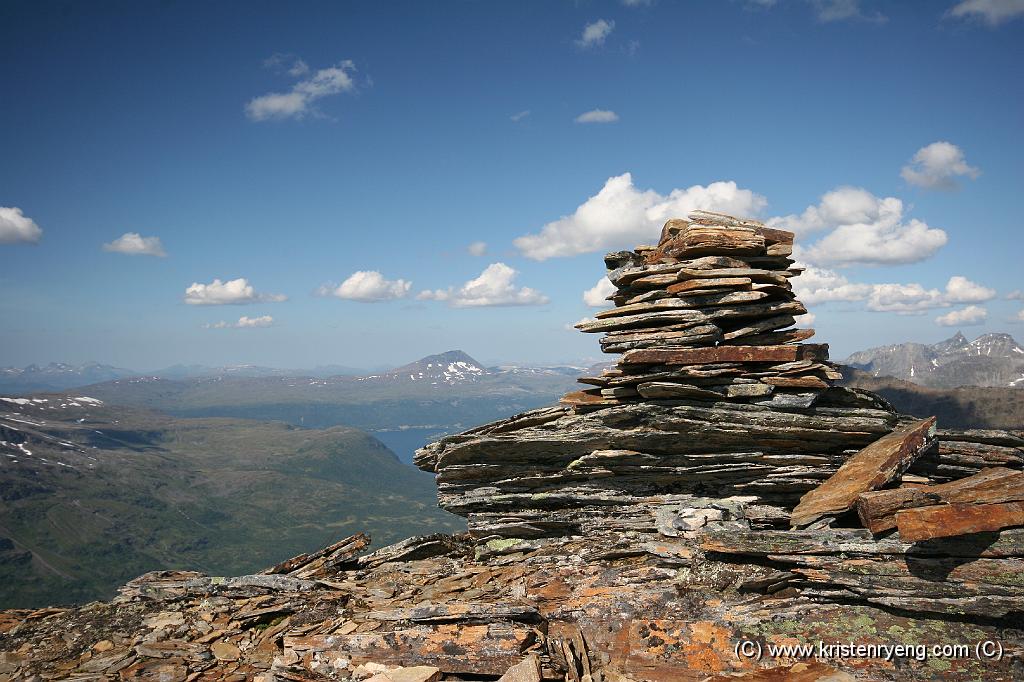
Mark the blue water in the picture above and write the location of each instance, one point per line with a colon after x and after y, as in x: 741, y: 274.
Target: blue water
x: 405, y: 443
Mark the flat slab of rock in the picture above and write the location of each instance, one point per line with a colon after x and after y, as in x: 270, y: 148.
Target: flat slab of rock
x: 869, y: 469
x: 655, y: 390
x: 796, y: 382
x: 789, y: 336
x: 528, y: 670
x: 489, y: 649
x: 712, y: 240
x: 418, y: 673
x: 878, y: 509
x: 703, y: 356
x: 708, y: 283
x: 716, y: 298
x: 949, y: 520
x: 324, y: 562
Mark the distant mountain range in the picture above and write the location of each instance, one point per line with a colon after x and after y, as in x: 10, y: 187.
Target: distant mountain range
x: 990, y: 360
x: 57, y: 376
x: 60, y: 376
x: 449, y: 368
x: 449, y: 391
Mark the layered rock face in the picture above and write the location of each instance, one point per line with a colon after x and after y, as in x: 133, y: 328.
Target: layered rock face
x: 697, y: 513
x: 715, y: 394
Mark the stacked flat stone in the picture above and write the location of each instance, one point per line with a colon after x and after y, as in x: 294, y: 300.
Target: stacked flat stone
x: 707, y: 314
x: 715, y: 400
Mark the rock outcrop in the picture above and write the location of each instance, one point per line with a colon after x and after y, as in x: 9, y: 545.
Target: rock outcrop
x: 644, y: 529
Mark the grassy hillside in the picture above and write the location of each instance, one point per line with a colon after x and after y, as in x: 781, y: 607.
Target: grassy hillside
x: 91, y: 496
x: 967, y: 407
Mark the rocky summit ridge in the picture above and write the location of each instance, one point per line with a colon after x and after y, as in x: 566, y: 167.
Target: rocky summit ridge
x: 989, y: 360
x: 703, y: 510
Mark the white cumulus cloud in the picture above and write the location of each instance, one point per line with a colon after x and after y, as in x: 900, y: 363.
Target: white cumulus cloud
x: 970, y: 316
x: 844, y: 10
x: 233, y: 292
x: 300, y: 100
x: 597, y: 116
x: 134, y: 244
x: 1016, y: 295
x: 820, y: 285
x: 367, y: 286
x: 962, y: 290
x: 937, y: 166
x: 520, y: 115
x: 496, y: 286
x: 841, y: 206
x: 865, y: 229
x: 477, y: 248
x: 595, y: 33
x: 16, y: 227
x: 1020, y: 316
x: 620, y: 216
x: 903, y: 298
x: 244, y: 322
x: 596, y: 296
x: 286, y: 63
x: 992, y: 12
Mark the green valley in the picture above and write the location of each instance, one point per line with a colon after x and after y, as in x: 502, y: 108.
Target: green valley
x: 92, y: 495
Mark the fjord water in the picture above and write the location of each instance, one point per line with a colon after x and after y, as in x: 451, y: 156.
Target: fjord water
x: 405, y: 442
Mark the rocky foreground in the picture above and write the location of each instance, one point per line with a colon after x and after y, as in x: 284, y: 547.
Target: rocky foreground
x: 706, y: 509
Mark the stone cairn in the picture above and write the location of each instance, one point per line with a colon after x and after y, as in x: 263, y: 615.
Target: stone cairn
x: 714, y: 395
x: 707, y: 315
x: 716, y: 401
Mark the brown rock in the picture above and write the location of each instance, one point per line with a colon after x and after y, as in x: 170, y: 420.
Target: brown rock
x: 869, y: 469
x: 877, y: 510
x: 948, y: 520
x: 488, y: 649
x: 654, y: 390
x: 759, y: 327
x: 804, y: 671
x: 758, y: 275
x: 703, y: 356
x: 322, y: 563
x: 419, y: 673
x: 583, y: 398
x: 709, y: 283
x: 774, y: 338
x: 527, y: 670
x: 748, y: 390
x: 701, y: 240
x: 714, y: 298
x: 223, y: 650
x: 796, y: 382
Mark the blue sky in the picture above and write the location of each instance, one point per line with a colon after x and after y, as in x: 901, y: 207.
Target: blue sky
x: 294, y: 145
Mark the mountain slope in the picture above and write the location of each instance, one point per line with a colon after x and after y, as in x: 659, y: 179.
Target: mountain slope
x: 91, y: 495
x: 964, y: 407
x: 451, y: 367
x: 989, y: 360
x: 56, y: 376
